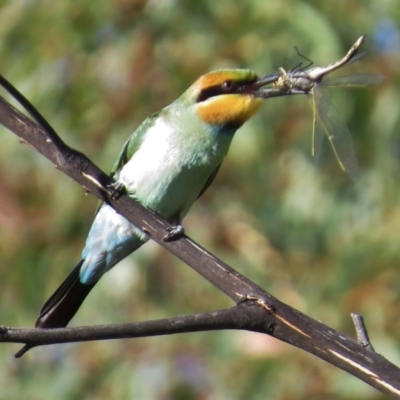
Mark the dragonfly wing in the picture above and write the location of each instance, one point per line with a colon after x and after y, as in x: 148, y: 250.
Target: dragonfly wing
x: 354, y: 80
x: 320, y: 111
x: 328, y: 122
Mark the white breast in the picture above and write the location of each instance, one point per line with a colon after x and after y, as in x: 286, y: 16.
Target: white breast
x: 170, y: 168
x: 155, y: 152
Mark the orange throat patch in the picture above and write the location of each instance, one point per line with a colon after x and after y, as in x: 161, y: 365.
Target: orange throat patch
x: 228, y: 109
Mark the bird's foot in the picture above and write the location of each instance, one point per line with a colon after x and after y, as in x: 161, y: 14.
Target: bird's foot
x: 174, y: 232
x: 117, y: 189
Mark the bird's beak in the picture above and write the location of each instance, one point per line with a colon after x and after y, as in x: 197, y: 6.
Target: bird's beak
x: 265, y: 80
x: 259, y: 89
x: 254, y: 88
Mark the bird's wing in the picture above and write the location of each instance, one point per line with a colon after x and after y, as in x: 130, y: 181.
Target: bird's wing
x: 133, y: 143
x: 130, y: 148
x: 210, y: 180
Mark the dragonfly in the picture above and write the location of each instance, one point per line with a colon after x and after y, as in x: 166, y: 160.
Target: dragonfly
x: 327, y: 121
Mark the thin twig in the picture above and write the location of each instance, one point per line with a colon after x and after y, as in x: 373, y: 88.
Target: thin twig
x: 361, y: 330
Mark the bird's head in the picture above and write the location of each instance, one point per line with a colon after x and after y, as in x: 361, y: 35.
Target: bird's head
x: 226, y: 97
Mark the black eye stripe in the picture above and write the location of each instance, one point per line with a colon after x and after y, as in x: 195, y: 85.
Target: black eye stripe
x: 227, y: 85
x: 224, y: 88
x: 211, y: 92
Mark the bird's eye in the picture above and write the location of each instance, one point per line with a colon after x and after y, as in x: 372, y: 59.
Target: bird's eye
x: 228, y: 86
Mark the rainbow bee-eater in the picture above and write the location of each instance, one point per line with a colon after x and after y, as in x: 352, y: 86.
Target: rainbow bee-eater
x: 166, y: 164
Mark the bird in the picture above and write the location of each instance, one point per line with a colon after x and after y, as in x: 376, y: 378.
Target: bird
x: 166, y: 164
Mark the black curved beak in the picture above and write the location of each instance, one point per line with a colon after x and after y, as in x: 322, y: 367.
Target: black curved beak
x: 252, y: 88
x: 258, y: 88
x: 265, y: 80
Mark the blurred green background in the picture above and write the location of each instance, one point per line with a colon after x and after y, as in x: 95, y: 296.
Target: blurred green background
x: 308, y: 234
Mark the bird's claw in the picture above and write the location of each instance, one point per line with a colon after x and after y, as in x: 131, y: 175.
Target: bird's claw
x: 173, y: 233
x: 117, y: 189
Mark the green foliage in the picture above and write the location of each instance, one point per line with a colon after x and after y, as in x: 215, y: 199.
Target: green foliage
x: 307, y: 234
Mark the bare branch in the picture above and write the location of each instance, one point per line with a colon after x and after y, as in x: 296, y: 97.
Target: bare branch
x: 256, y: 311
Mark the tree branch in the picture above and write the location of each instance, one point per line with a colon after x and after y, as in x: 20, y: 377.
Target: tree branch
x: 256, y: 309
